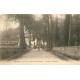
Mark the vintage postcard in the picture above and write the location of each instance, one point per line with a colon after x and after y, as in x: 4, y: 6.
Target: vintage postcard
x: 39, y: 38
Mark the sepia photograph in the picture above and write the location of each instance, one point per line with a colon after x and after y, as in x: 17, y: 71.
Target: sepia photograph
x: 39, y: 38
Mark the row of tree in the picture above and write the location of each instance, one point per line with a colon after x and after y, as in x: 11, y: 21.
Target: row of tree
x: 63, y: 30
x: 56, y: 30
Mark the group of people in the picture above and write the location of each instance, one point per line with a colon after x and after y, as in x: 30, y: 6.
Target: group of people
x: 37, y: 42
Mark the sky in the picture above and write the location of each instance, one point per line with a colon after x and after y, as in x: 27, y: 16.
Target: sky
x: 38, y: 16
x: 5, y: 24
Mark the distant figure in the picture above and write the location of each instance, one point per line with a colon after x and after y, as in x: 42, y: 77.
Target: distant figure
x: 38, y: 41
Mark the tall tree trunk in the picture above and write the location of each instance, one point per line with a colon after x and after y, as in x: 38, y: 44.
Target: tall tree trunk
x: 78, y: 34
x: 50, y: 35
x: 56, y: 31
x: 22, y: 37
x: 51, y: 32
x: 78, y: 29
x: 66, y: 28
x: 29, y: 39
x: 69, y: 40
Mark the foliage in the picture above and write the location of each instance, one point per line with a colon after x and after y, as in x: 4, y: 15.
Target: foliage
x: 56, y: 30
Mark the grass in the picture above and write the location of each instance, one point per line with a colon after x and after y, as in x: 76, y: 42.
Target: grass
x: 11, y: 53
x: 72, y: 52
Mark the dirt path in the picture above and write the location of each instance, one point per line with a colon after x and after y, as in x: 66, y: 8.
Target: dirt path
x: 41, y: 57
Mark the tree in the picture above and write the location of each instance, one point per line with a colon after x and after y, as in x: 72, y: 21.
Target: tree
x: 56, y: 30
x: 29, y: 25
x: 75, y: 30
x: 45, y: 20
x: 23, y: 20
x: 50, y: 32
x: 78, y: 29
x: 22, y: 42
x: 70, y: 26
x: 49, y: 26
x: 66, y: 28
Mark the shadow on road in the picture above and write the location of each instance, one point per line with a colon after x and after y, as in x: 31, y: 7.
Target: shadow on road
x: 61, y: 56
x: 14, y: 55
